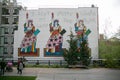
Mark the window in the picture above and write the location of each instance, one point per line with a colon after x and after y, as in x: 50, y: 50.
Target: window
x: 16, y: 28
x: 4, y: 4
x: 16, y: 11
x: 5, y: 11
x: 15, y: 20
x: 2, y: 40
x: 12, y: 41
x: 13, y: 31
x: 12, y: 50
x: 1, y: 49
x: 1, y: 31
x: 5, y: 50
x: 6, y: 31
x: 4, y: 20
x: 5, y: 40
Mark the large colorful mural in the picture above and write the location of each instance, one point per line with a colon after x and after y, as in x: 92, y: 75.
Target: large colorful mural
x: 28, y: 44
x: 81, y: 31
x: 43, y: 33
x: 54, y: 44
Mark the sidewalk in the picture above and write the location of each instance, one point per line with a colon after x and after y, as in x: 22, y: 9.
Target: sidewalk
x: 68, y: 74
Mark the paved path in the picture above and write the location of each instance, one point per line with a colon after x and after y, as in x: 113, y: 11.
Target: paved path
x: 69, y: 74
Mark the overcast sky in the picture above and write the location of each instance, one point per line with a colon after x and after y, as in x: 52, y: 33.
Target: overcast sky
x: 109, y: 10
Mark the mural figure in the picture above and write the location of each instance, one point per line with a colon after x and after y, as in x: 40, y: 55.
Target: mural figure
x: 81, y: 31
x: 54, y: 44
x: 28, y: 44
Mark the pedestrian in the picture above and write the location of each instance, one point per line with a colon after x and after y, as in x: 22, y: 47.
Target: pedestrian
x: 9, y: 66
x: 2, y: 64
x: 20, y: 67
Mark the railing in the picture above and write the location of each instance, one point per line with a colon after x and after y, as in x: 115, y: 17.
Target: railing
x: 42, y: 62
x: 98, y: 62
x: 47, y: 62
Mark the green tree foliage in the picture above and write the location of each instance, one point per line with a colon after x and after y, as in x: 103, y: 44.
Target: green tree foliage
x: 70, y: 55
x: 85, y: 53
x: 74, y: 55
x: 110, y: 50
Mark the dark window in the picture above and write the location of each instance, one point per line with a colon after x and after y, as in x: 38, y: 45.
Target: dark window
x: 12, y: 31
x: 0, y: 31
x: 1, y: 49
x: 12, y: 41
x: 4, y: 20
x: 5, y: 50
x: 4, y: 4
x: 5, y: 11
x: 5, y: 40
x: 6, y: 31
x: 12, y: 50
x: 15, y: 20
x: 1, y: 39
x: 16, y: 11
x: 16, y: 28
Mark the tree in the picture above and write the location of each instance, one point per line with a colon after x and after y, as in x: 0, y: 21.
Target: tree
x: 85, y: 53
x: 70, y: 55
x: 110, y: 51
x: 75, y: 55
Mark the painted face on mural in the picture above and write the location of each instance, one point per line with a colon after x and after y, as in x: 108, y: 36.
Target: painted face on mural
x: 80, y: 23
x: 56, y: 24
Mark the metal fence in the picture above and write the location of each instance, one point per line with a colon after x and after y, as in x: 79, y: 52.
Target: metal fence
x: 98, y: 62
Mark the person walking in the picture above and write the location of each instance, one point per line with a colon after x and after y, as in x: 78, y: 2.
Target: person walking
x: 20, y: 67
x: 2, y: 64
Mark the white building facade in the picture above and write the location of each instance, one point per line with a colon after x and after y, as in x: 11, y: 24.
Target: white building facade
x: 41, y: 20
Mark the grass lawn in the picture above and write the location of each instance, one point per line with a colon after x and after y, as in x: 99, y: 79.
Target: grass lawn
x: 17, y: 77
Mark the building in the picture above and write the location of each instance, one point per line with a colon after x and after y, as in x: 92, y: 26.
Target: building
x: 9, y: 15
x: 34, y: 37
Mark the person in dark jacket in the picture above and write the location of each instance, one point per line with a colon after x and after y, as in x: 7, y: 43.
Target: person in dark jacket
x: 2, y: 64
x: 20, y: 67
